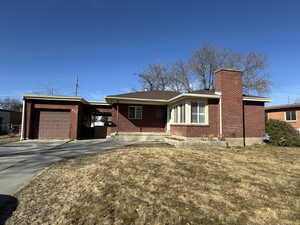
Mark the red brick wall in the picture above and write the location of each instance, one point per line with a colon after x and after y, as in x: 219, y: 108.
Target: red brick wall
x: 276, y: 115
x: 280, y: 115
x: 254, y: 119
x: 32, y: 107
x: 148, y: 124
x: 201, y: 131
x: 229, y: 83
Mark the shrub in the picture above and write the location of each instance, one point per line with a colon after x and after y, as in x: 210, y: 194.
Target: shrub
x: 281, y: 133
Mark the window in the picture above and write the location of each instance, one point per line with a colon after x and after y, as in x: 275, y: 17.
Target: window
x: 290, y: 115
x: 135, y: 112
x: 198, y: 112
x: 182, y: 113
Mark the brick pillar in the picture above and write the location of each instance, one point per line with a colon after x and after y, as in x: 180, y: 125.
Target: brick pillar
x: 29, y: 120
x: 229, y: 84
x: 74, y: 122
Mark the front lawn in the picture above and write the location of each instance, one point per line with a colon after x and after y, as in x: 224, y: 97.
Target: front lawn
x: 165, y: 185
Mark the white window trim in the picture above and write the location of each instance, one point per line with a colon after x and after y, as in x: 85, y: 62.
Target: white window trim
x: 205, y: 112
x: 290, y: 121
x: 188, y: 113
x: 135, y: 114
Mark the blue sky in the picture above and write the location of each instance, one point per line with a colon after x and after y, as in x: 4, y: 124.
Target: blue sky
x: 47, y: 43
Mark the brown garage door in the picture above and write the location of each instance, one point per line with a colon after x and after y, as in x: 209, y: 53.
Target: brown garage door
x: 54, y: 125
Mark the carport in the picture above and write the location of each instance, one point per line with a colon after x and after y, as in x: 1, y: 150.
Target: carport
x: 60, y: 117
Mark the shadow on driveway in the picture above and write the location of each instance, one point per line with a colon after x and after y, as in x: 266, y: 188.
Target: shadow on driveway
x: 8, y: 204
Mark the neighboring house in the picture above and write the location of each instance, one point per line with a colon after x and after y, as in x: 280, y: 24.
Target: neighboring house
x: 9, y: 121
x: 224, y: 112
x: 288, y: 113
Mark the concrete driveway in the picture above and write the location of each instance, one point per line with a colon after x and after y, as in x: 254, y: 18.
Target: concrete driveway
x: 21, y: 161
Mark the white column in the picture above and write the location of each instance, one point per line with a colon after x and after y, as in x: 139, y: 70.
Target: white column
x: 188, y: 112
x: 169, y: 116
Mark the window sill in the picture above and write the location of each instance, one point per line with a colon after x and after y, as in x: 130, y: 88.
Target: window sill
x: 290, y: 121
x: 191, y: 124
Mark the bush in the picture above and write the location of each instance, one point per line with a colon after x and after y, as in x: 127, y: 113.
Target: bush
x: 282, y: 134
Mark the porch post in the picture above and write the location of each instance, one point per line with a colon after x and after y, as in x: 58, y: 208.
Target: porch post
x: 188, y: 112
x: 168, y: 118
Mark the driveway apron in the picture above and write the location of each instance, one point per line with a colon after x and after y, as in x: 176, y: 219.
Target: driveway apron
x: 21, y: 161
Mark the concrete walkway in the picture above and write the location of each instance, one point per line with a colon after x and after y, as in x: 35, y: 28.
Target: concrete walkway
x: 21, y: 161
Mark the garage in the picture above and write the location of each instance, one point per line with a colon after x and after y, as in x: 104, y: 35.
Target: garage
x: 63, y: 117
x: 53, y: 124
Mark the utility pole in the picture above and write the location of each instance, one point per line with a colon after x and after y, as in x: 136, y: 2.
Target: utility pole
x: 76, y: 86
x: 288, y: 99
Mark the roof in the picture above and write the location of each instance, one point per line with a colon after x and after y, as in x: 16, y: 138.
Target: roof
x: 147, y: 97
x: 170, y: 96
x: 157, y: 95
x: 279, y: 107
x: 204, y: 91
x: 62, y: 98
x: 253, y: 96
x: 54, y: 98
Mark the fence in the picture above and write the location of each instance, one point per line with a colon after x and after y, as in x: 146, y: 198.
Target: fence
x: 10, y: 128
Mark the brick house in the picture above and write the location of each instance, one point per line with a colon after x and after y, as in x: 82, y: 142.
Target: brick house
x: 288, y: 113
x: 223, y: 112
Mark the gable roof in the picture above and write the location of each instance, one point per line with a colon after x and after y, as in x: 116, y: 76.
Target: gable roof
x: 157, y: 95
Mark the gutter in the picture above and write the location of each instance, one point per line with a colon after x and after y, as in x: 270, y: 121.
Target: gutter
x: 255, y: 99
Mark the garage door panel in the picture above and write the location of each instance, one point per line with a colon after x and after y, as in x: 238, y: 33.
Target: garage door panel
x: 54, y: 125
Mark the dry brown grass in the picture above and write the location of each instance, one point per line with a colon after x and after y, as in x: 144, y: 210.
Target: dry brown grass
x: 164, y: 185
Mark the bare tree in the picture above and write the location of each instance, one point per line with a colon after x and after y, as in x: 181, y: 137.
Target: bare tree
x: 11, y: 104
x: 155, y: 77
x: 255, y: 77
x: 180, y: 78
x: 202, y: 65
x: 205, y: 61
x: 47, y: 91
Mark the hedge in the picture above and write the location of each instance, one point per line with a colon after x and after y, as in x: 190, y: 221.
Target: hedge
x: 282, y: 133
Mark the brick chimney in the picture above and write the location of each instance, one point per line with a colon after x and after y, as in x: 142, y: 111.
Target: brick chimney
x: 229, y: 84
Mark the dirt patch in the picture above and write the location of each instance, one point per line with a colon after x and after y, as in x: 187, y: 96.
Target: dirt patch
x: 164, y: 185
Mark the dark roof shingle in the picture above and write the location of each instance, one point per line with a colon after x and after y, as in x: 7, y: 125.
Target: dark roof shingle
x: 165, y: 95
x: 158, y: 95
x: 203, y: 91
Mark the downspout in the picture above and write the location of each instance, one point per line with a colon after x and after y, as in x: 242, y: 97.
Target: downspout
x: 117, y: 117
x: 244, y: 132
x: 221, y: 120
x: 23, y: 121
